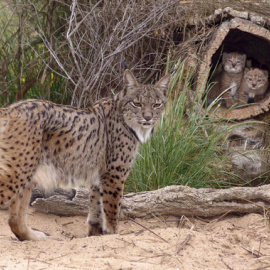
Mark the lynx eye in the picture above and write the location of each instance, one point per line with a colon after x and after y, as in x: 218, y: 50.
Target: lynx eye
x: 157, y: 105
x: 136, y: 104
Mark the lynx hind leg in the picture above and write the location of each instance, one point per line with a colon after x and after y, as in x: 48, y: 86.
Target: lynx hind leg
x: 96, y: 214
x: 19, y: 155
x: 18, y: 216
x: 7, y: 192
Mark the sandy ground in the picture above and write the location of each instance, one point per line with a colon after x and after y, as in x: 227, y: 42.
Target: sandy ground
x: 230, y: 242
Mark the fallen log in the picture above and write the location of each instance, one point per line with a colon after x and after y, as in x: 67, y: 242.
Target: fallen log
x: 171, y: 200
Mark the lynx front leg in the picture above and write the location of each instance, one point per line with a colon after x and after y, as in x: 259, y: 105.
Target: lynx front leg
x: 230, y: 95
x: 17, y: 217
x: 229, y: 101
x: 242, y: 98
x: 112, y: 185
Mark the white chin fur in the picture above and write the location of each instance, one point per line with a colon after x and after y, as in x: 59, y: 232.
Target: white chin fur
x: 143, y: 134
x: 232, y: 70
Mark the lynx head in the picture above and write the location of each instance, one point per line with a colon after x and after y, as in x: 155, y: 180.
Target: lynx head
x: 142, y: 105
x: 256, y: 80
x: 255, y: 77
x: 233, y: 62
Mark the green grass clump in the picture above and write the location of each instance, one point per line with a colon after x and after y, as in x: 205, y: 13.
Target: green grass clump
x: 183, y: 150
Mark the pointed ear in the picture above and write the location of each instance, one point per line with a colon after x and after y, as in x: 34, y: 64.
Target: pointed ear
x: 265, y: 72
x: 129, y: 79
x: 164, y: 83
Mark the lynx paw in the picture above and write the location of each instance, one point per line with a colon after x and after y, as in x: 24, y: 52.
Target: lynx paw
x: 37, y: 235
x: 110, y: 228
x: 32, y: 235
x: 94, y: 229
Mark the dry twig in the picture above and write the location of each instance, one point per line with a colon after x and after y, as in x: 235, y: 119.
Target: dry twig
x: 188, y: 238
x: 148, y: 230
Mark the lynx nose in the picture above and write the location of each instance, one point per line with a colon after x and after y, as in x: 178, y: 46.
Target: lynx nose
x: 147, y: 117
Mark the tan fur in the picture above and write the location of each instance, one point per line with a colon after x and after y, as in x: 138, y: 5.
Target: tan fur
x: 42, y: 144
x: 229, y: 79
x: 254, y: 85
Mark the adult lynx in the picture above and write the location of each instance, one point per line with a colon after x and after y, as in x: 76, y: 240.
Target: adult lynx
x: 42, y: 144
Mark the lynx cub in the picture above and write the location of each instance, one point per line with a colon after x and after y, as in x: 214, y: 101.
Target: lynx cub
x: 254, y: 85
x: 42, y: 143
x: 229, y: 78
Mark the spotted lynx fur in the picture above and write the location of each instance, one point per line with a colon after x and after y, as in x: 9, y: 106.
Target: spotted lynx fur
x: 229, y: 79
x: 254, y: 85
x: 42, y: 144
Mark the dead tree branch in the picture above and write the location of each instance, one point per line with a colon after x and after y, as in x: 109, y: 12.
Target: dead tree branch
x: 171, y: 200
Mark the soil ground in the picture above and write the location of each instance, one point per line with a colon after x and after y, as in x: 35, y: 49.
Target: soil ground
x: 229, y: 242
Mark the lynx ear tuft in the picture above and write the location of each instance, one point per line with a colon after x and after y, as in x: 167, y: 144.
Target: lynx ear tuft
x: 129, y: 79
x: 164, y: 83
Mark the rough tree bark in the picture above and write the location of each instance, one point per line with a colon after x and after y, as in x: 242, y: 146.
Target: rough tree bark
x: 171, y: 200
